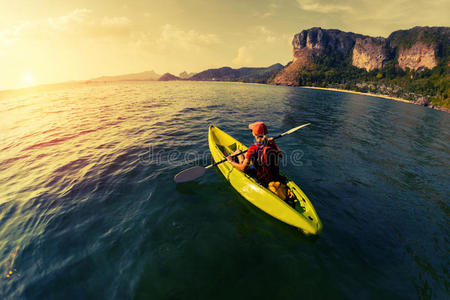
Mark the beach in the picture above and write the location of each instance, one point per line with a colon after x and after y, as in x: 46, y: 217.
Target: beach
x: 375, y: 95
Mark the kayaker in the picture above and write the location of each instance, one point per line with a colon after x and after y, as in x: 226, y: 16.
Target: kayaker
x: 261, y: 160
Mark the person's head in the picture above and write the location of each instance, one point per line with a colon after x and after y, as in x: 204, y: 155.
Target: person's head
x: 259, y: 131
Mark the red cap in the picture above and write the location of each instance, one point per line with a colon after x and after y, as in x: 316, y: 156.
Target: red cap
x: 258, y: 128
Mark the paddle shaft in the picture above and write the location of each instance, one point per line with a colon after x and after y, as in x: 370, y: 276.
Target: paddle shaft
x: 197, y: 171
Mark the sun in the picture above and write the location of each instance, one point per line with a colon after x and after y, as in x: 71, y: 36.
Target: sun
x: 27, y: 78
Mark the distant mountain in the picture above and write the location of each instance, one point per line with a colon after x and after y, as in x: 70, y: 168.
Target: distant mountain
x: 143, y: 76
x: 257, y: 75
x: 185, y: 75
x: 168, y: 77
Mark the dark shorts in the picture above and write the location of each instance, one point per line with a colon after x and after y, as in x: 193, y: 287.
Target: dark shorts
x: 251, y: 172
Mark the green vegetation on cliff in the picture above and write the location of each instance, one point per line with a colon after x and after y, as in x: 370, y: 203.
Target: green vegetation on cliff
x: 427, y: 87
x: 427, y: 35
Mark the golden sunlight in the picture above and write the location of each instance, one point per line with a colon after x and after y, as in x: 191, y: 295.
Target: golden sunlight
x: 27, y: 78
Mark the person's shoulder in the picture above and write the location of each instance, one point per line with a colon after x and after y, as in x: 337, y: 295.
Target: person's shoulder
x: 252, y: 149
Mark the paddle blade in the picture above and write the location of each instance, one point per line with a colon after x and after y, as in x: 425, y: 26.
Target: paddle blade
x: 295, y: 129
x: 189, y: 174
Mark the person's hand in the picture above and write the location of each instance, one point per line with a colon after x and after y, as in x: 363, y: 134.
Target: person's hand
x: 271, y: 140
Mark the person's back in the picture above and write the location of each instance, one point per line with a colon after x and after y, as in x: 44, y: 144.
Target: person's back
x: 269, y: 163
x: 262, y: 163
x: 262, y: 158
x: 265, y: 161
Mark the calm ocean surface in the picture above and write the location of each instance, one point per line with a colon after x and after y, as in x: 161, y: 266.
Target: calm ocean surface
x: 89, y: 210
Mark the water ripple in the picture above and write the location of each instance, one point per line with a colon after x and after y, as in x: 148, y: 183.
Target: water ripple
x: 88, y: 208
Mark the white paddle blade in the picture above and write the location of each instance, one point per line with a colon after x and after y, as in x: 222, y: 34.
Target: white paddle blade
x: 295, y: 129
x: 189, y: 174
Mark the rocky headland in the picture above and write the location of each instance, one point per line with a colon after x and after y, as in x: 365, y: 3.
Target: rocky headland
x: 411, y: 64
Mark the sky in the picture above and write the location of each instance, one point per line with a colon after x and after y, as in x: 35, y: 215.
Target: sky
x: 47, y: 41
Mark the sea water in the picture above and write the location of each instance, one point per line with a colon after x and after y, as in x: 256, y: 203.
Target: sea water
x: 89, y: 209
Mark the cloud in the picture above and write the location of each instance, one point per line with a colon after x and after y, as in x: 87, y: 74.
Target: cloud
x: 82, y: 22
x: 263, y: 48
x: 322, y: 6
x: 269, y: 12
x: 244, y: 56
x: 383, y: 17
x: 11, y: 35
x: 115, y: 22
x: 105, y: 38
x: 398, y: 11
x: 274, y: 5
x: 263, y: 35
x: 79, y: 23
x: 76, y: 16
x: 377, y: 17
x: 172, y: 37
x: 267, y: 35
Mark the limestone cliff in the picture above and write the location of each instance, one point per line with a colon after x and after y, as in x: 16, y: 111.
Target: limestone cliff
x: 417, y: 49
x: 320, y: 40
x: 370, y: 53
x: 420, y: 47
x: 313, y: 43
x: 419, y: 56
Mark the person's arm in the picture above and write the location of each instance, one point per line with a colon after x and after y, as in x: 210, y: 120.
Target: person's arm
x: 238, y: 165
x: 272, y: 142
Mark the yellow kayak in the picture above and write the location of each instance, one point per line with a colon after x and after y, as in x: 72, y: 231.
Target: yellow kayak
x: 303, y: 216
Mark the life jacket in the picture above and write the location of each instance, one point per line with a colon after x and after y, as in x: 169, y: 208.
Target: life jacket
x: 267, y: 163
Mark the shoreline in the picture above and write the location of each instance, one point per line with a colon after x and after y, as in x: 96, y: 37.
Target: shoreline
x: 376, y: 95
x: 49, y: 86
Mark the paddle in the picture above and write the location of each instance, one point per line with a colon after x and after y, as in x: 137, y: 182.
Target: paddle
x: 198, y: 171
